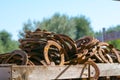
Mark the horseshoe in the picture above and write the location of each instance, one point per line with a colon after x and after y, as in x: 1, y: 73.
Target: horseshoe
x: 22, y: 55
x: 46, y: 52
x: 93, y: 64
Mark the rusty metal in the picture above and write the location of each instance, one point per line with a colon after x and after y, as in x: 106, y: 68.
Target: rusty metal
x: 17, y: 57
x: 58, y: 57
x: 93, y: 64
x: 72, y: 47
x: 42, y: 47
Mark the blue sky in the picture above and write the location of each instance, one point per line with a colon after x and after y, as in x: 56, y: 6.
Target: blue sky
x: 13, y: 13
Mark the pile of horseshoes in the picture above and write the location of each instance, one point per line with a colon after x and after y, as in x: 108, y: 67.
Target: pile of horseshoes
x: 42, y: 47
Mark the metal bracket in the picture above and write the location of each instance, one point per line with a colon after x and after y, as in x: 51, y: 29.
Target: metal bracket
x: 5, y: 72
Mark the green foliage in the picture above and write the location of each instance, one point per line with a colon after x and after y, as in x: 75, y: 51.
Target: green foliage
x: 115, y: 43
x: 29, y: 25
x: 113, y: 28
x: 1, y: 47
x: 96, y: 34
x: 60, y: 24
x: 6, y: 43
x: 75, y: 27
x: 82, y: 25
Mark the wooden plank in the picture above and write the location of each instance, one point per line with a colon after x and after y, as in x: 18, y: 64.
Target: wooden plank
x: 48, y: 72
x: 61, y: 72
x: 109, y: 69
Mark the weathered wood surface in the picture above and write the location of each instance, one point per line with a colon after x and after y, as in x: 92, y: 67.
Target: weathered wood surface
x: 109, y: 69
x: 60, y: 72
x: 47, y: 73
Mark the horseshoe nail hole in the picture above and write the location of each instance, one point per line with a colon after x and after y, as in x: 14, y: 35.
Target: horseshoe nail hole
x: 92, y: 72
x: 14, y: 70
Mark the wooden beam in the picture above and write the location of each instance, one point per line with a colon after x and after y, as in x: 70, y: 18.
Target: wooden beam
x: 61, y: 72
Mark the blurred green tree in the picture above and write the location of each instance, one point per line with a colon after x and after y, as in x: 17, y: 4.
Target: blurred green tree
x: 60, y: 24
x: 1, y: 47
x: 83, y: 27
x: 28, y: 26
x: 6, y: 43
x: 74, y: 27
